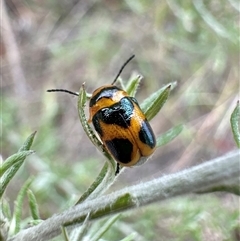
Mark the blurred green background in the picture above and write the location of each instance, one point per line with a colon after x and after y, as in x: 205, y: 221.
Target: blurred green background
x: 62, y: 44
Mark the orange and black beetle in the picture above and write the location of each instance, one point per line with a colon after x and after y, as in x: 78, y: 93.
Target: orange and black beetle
x: 120, y: 124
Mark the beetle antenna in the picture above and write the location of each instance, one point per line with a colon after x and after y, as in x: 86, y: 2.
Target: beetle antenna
x: 123, y: 66
x: 63, y: 90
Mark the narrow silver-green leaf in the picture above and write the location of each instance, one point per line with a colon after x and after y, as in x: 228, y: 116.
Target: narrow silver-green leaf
x: 169, y: 135
x: 28, y: 143
x: 33, y: 205
x: 79, y: 233
x: 133, y: 84
x: 4, y: 227
x: 95, y: 184
x: 10, y: 171
x: 106, y: 175
x: 12, y: 160
x: 6, y: 209
x: 86, y: 127
x: 152, y: 105
x: 19, y: 204
x: 130, y: 237
x: 106, y: 226
x: 235, y: 118
x: 65, y: 233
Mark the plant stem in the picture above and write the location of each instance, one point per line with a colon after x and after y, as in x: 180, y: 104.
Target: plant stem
x: 210, y: 174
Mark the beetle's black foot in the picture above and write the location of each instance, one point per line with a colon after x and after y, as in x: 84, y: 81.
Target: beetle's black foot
x: 117, y: 169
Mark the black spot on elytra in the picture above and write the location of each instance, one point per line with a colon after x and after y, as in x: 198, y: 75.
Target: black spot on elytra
x: 146, y: 134
x: 96, y: 124
x: 121, y: 149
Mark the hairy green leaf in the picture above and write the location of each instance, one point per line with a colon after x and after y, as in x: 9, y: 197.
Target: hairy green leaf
x: 19, y: 204
x: 169, y: 135
x: 133, y: 84
x: 28, y: 143
x: 12, y: 160
x: 153, y: 104
x: 235, y: 117
x: 11, y: 167
x: 106, y: 226
x: 33, y: 205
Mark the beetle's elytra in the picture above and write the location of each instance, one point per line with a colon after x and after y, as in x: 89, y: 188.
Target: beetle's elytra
x: 121, y: 125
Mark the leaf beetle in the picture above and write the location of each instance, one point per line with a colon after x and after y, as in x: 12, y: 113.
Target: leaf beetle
x: 120, y: 123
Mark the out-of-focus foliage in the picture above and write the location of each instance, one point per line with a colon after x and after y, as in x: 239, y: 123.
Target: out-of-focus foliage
x: 65, y: 43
